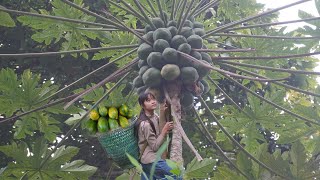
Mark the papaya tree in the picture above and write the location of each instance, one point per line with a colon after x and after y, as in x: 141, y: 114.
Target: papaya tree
x: 234, y: 83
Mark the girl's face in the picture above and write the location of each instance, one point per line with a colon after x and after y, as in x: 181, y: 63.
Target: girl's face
x: 150, y: 103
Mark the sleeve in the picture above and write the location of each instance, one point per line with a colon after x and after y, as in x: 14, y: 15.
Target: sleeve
x: 153, y: 142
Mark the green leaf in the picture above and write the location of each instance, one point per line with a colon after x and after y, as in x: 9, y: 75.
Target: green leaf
x: 196, y: 169
x: 6, y: 19
x: 226, y: 173
x: 135, y: 162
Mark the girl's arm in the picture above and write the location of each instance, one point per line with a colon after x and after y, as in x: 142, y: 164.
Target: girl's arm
x: 153, y: 141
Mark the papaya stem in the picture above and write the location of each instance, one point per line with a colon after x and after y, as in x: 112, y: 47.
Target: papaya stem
x: 236, y: 142
x: 56, y: 18
x: 271, y: 68
x: 224, y: 50
x: 152, y: 8
x: 144, y: 14
x: 25, y: 55
x: 135, y: 13
x: 177, y: 8
x: 224, y: 27
x: 179, y: 127
x: 93, y: 14
x: 204, y: 8
x: 278, y: 83
x: 271, y: 24
x: 265, y: 57
x: 181, y: 13
x: 172, y: 9
x: 148, y: 11
x: 196, y: 8
x: 93, y: 72
x: 215, y: 145
x: 76, y: 125
x: 133, y: 10
x: 185, y: 16
x: 120, y: 71
x: 161, y: 12
x: 272, y: 103
x: 264, y: 37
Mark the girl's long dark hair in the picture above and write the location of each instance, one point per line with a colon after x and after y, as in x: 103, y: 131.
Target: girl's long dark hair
x: 142, y: 116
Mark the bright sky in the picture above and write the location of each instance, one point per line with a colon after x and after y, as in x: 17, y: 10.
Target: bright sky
x: 291, y: 13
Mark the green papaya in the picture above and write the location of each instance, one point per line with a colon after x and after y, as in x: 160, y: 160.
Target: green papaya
x: 123, y: 121
x: 113, y: 113
x: 203, y: 71
x: 142, y: 63
x: 186, y: 100
x: 103, y: 111
x: 206, y: 57
x: 103, y: 125
x: 147, y: 29
x: 189, y: 75
x: 130, y: 114
x: 91, y: 125
x: 206, y: 87
x: 143, y: 69
x: 172, y: 23
x: 200, y: 32
x: 173, y: 30
x: 170, y: 56
x: 123, y: 110
x: 196, y: 55
x: 170, y: 72
x: 160, y: 45
x: 188, y: 23
x: 144, y: 50
x: 195, y: 41
x: 186, y: 32
x: 157, y: 22
x: 155, y: 60
x: 137, y: 82
x: 177, y: 40
x: 113, y: 123
x: 185, y: 47
x: 198, y: 25
x: 152, y: 77
x: 162, y: 33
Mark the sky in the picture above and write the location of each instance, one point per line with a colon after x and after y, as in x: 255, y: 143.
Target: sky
x: 291, y: 13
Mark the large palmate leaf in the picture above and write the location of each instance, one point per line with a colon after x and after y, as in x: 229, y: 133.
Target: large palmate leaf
x: 199, y: 170
x: 30, y: 162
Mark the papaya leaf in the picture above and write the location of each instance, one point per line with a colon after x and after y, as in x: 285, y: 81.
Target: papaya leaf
x: 199, y: 170
x: 227, y: 174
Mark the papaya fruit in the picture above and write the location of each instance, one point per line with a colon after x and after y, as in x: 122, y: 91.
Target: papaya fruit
x: 152, y: 77
x: 91, y: 126
x: 195, y: 41
x: 186, y: 100
x: 157, y: 22
x: 103, y: 111
x: 198, y: 25
x: 172, y: 23
x: 103, y: 125
x: 113, y: 124
x: 147, y: 29
x: 144, y: 50
x: 123, y: 110
x: 191, y: 18
x: 206, y: 57
x: 141, y: 63
x: 170, y: 55
x: 113, y: 113
x: 143, y: 69
x: 206, y: 87
x: 188, y: 23
x: 196, y: 55
x: 173, y: 30
x: 170, y: 72
x: 155, y: 60
x: 149, y: 36
x: 141, y: 89
x: 160, y: 45
x: 203, y: 71
x: 185, y: 47
x: 130, y: 114
x: 165, y: 17
x: 123, y: 121
x: 94, y: 115
x: 200, y: 32
x: 162, y: 33
x: 186, y: 32
x: 137, y: 82
x: 189, y: 75
x: 177, y: 40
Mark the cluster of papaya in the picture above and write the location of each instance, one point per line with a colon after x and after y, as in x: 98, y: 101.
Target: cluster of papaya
x: 163, y: 60
x: 104, y: 119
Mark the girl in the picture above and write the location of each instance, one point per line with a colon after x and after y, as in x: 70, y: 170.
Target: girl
x: 150, y: 137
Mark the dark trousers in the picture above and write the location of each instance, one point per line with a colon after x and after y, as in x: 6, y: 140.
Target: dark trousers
x: 162, y: 169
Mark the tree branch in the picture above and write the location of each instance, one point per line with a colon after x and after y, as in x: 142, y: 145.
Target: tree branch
x: 224, y: 50
x: 264, y: 37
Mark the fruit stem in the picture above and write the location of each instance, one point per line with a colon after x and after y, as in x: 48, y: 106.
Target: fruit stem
x: 152, y: 8
x: 161, y: 12
x: 145, y: 15
x: 224, y: 50
x: 264, y: 37
x: 196, y: 8
x: 135, y: 13
x: 173, y: 6
x: 181, y: 13
x: 235, y: 141
x: 185, y: 17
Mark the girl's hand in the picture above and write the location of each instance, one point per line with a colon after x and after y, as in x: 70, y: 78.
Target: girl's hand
x: 167, y: 127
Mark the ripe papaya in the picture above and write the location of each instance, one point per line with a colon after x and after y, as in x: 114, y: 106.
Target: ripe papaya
x: 170, y: 55
x: 177, y: 40
x: 103, y: 125
x: 195, y: 41
x: 173, y: 30
x: 199, y: 31
x: 137, y: 82
x: 113, y: 113
x: 103, y: 111
x: 162, y: 33
x: 123, y: 110
x: 188, y: 23
x: 123, y: 121
x: 155, y: 60
x: 170, y: 72
x: 160, y: 45
x: 91, y: 125
x: 157, y: 22
x: 198, y: 25
x: 185, y: 47
x: 113, y: 123
x: 189, y: 75
x: 152, y: 77
x: 94, y: 115
x: 186, y: 32
x: 144, y: 50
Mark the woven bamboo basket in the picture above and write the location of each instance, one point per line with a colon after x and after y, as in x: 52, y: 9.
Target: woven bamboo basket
x: 119, y: 142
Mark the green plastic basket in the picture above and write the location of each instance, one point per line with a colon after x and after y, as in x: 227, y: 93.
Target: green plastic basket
x: 119, y: 142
